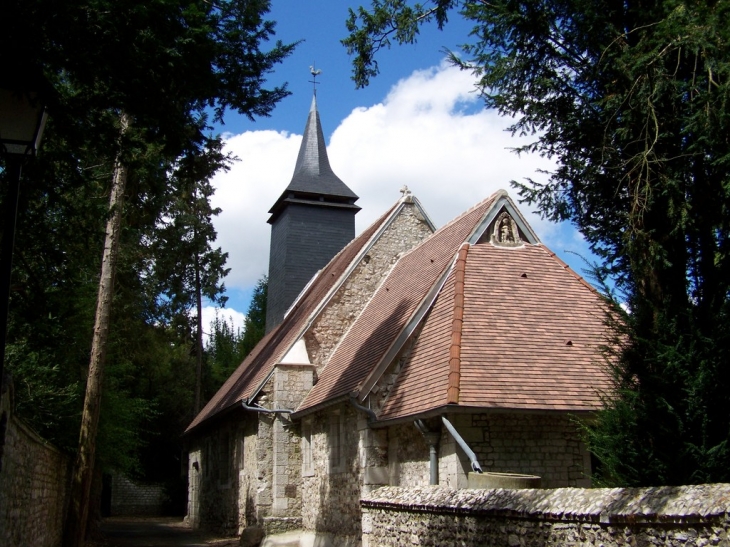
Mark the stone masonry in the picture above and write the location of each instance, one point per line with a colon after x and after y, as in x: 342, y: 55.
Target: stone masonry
x: 132, y: 498
x: 531, y: 444
x: 331, y: 492
x: 218, y: 485
x: 407, y: 456
x: 435, y: 516
x: 33, y: 483
x: 291, y: 384
x: 399, y: 455
x: 246, y: 473
x: 407, y: 230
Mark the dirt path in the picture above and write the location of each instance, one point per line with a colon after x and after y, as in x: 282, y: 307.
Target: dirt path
x: 156, y: 532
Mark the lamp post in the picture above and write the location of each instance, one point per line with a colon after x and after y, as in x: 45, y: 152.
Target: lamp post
x: 22, y: 119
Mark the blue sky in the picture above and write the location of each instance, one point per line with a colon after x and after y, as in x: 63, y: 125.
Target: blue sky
x: 419, y: 123
x: 320, y: 25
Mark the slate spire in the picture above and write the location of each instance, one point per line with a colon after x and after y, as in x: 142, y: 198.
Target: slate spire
x: 313, y: 219
x: 313, y: 177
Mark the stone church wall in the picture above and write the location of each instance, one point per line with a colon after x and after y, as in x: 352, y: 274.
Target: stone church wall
x: 34, y: 478
x: 405, y: 232
x: 408, y: 456
x: 546, y: 445
x: 245, y: 472
x: 399, y: 455
x: 288, y: 387
x: 331, y: 488
x: 435, y: 516
x: 219, y: 483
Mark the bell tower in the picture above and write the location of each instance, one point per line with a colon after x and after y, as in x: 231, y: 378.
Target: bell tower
x: 313, y: 219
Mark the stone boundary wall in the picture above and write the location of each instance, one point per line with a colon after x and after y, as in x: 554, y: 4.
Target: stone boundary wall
x: 132, y: 498
x: 434, y: 516
x: 34, y: 479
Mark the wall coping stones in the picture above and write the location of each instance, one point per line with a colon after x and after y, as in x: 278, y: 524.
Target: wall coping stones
x: 666, y: 504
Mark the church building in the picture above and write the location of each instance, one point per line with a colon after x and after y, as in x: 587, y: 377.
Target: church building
x: 405, y: 356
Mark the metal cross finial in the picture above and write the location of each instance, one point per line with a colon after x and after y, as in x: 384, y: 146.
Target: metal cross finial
x: 314, y: 72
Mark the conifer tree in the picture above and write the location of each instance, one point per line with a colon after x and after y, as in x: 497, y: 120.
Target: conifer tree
x: 186, y: 266
x: 255, y: 326
x: 631, y: 101
x: 142, y: 73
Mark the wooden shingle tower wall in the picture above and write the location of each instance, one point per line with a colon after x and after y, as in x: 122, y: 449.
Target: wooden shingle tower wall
x: 313, y: 219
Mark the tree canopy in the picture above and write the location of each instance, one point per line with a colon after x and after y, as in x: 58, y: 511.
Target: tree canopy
x: 227, y: 347
x: 631, y: 101
x: 132, y: 85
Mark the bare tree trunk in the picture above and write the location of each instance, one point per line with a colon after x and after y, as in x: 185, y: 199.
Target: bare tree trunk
x: 83, y: 472
x: 198, y: 339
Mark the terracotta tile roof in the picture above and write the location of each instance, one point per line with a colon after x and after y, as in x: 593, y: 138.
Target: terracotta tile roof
x: 529, y: 338
x: 254, y: 370
x: 391, y: 307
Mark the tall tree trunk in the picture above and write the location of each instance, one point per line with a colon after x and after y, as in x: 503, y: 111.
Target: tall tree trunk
x: 198, y: 338
x: 84, y: 466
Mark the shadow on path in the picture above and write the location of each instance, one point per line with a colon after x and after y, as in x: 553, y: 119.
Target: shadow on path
x: 156, y: 532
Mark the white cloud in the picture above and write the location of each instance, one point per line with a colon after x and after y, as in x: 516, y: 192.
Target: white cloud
x: 245, y: 193
x: 229, y: 315
x: 429, y: 133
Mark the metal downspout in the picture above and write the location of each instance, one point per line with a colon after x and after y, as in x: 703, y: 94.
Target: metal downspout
x: 369, y: 411
x: 432, y: 438
x: 266, y: 410
x: 462, y: 443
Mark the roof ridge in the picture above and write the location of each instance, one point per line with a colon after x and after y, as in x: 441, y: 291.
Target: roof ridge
x: 381, y: 223
x: 425, y: 301
x: 457, y: 322
x: 377, y: 228
x: 272, y: 347
x: 493, y: 197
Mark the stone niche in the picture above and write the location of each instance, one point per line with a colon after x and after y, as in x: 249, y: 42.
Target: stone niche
x: 504, y: 232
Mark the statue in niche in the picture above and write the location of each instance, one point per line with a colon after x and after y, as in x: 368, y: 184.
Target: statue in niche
x: 505, y: 231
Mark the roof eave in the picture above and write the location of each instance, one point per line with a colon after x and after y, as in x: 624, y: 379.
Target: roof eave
x: 462, y: 409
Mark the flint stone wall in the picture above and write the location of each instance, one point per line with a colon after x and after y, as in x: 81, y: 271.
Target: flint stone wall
x: 245, y: 472
x: 408, y: 456
x: 436, y: 516
x: 34, y: 478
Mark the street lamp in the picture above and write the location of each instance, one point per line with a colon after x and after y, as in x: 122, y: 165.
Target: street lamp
x: 22, y: 119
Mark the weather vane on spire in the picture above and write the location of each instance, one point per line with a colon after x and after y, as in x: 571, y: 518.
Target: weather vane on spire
x: 314, y: 72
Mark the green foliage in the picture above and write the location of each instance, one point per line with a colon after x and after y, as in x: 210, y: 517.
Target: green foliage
x: 255, y: 326
x: 631, y: 100
x: 185, y: 263
x: 44, y: 395
x: 166, y: 64
x: 162, y: 62
x: 224, y: 352
x: 228, y: 347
